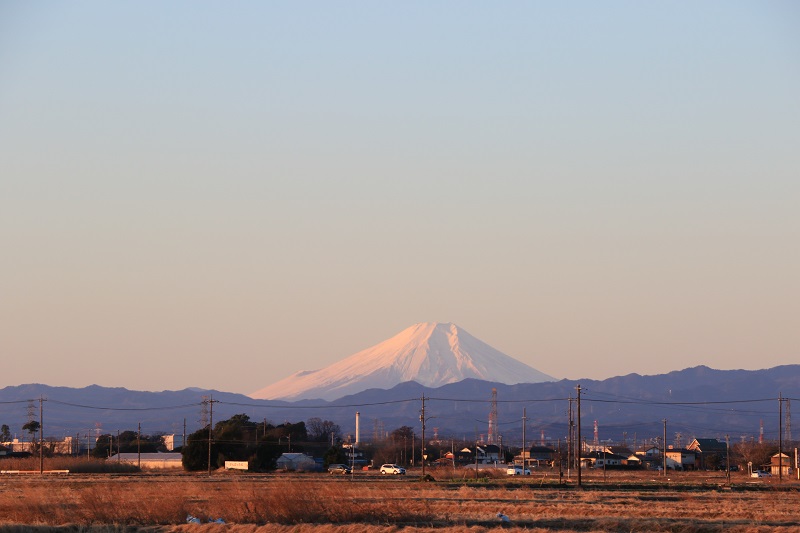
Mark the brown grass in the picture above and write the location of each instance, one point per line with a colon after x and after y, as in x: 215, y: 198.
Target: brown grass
x: 317, y: 503
x: 74, y: 465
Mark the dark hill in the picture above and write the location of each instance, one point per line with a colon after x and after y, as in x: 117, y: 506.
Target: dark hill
x: 696, y: 402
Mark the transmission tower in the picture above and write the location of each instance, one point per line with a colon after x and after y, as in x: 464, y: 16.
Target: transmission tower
x: 31, y: 411
x: 377, y: 434
x: 761, y: 432
x: 788, y: 422
x: 204, y: 412
x: 493, y: 419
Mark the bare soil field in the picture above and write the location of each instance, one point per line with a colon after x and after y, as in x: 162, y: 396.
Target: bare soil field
x: 685, y: 502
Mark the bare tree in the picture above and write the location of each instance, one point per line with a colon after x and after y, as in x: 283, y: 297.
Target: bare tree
x: 757, y: 453
x: 321, y: 430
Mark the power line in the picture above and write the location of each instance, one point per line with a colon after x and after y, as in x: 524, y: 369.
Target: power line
x: 106, y: 408
x: 337, y: 406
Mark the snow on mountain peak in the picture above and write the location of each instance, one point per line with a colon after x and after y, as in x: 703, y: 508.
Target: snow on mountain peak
x: 430, y: 353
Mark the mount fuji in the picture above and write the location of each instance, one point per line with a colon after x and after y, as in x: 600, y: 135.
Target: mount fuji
x: 432, y: 354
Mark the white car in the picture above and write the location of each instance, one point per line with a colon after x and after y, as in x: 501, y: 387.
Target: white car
x: 393, y: 469
x: 760, y: 473
x: 517, y: 470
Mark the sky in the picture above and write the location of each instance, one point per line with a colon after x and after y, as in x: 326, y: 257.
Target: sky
x: 217, y: 195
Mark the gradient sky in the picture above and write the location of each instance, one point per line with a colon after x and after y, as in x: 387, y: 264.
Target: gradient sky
x: 220, y: 194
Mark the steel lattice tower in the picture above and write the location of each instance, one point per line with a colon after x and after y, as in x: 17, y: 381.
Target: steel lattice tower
x: 787, y: 423
x: 493, y: 419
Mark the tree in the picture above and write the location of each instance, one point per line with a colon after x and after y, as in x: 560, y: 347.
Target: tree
x: 288, y: 433
x: 194, y: 455
x: 32, y: 427
x: 321, y: 430
x: 238, y: 439
x: 403, y: 432
x: 128, y: 442
x: 757, y: 453
x: 5, y: 433
x: 336, y: 455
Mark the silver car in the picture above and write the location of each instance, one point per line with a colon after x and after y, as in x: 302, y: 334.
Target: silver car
x: 393, y: 469
x: 339, y: 469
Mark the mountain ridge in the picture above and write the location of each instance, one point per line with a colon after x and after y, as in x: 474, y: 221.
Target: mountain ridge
x: 635, y: 404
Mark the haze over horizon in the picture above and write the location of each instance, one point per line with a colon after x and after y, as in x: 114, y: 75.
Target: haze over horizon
x: 199, y: 195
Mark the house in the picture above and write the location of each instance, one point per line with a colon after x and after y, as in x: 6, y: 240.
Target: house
x: 653, y: 452
x: 487, y: 454
x: 619, y: 450
x: 172, y: 441
x: 492, y: 454
x: 649, y: 457
x: 601, y: 459
x: 149, y: 460
x: 681, y: 459
x: 296, y: 461
x: 541, y: 456
x: 445, y: 460
x: 465, y: 456
x: 780, y: 465
x: 354, y: 455
x: 630, y: 459
x: 711, y: 453
x: 633, y: 461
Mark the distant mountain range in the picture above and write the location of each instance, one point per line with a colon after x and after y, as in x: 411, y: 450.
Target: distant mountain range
x: 696, y: 402
x: 432, y: 354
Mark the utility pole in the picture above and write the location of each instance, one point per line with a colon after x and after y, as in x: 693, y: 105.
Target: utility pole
x: 780, y: 437
x: 476, y: 459
x: 139, y: 446
x: 41, y: 435
x: 728, y: 459
x: 422, y: 419
x: 664, y: 450
x: 119, y: 447
x: 570, y: 440
x: 578, y: 388
x: 210, y: 430
x: 560, y: 471
x: 524, y: 423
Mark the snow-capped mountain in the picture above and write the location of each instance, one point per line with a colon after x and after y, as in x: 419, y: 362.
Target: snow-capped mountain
x: 432, y: 354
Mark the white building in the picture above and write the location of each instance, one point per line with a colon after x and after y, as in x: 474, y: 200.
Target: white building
x: 149, y: 460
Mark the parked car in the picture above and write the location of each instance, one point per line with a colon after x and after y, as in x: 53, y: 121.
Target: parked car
x: 393, y: 469
x: 338, y: 469
x: 760, y: 473
x: 517, y: 470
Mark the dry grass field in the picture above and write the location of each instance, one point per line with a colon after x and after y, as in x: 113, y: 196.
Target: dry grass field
x: 367, y: 502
